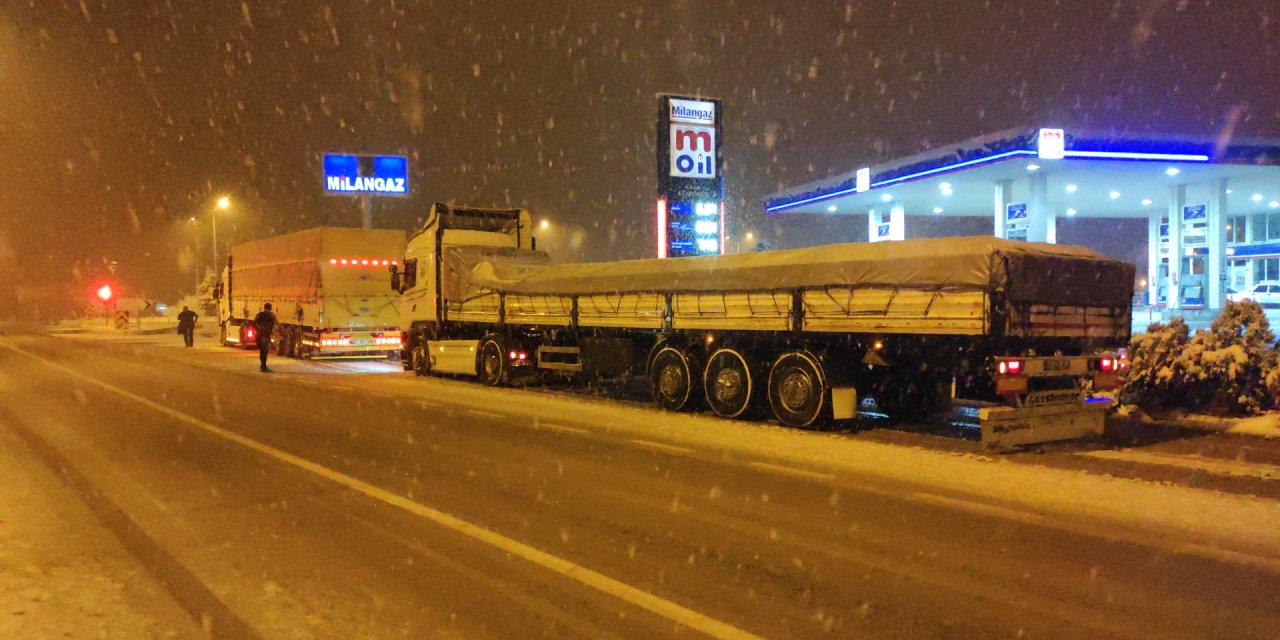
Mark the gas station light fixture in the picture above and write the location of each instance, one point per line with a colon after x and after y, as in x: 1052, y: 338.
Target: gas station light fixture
x: 886, y: 197
x: 1115, y: 195
x: 831, y: 208
x: 1071, y: 212
x: 937, y: 209
x: 1257, y: 197
x: 1071, y: 188
x: 1033, y: 167
x: 1146, y: 202
x: 1172, y: 171
x: 1274, y: 204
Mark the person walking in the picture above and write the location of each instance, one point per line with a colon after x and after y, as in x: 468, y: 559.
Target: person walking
x: 265, y: 323
x: 187, y: 325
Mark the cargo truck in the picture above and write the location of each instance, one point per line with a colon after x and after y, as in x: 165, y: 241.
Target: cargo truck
x: 327, y: 287
x: 1008, y: 338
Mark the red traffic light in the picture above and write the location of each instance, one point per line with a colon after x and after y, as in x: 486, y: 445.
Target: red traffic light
x: 105, y: 293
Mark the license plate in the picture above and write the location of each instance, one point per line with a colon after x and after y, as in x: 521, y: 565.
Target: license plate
x: 1057, y: 365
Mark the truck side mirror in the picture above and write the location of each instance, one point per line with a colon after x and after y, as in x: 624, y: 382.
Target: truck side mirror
x: 395, y: 279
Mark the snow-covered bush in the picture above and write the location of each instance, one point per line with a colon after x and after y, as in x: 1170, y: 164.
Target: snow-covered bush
x: 1230, y: 360
x: 1156, y: 379
x: 1231, y: 368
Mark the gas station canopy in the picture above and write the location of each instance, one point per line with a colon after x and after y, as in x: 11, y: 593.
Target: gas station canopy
x: 1224, y: 192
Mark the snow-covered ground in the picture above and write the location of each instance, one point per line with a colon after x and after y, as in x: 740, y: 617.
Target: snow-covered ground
x: 65, y: 574
x: 1183, y: 519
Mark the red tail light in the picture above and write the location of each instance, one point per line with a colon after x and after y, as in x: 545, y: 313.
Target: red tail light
x: 1107, y: 364
x: 1009, y: 367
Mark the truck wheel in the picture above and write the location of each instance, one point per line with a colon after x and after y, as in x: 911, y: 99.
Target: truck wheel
x: 671, y: 379
x: 419, y: 359
x: 491, y: 362
x: 797, y: 389
x: 730, y: 383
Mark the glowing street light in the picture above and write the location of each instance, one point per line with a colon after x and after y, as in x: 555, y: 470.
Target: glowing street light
x: 105, y: 293
x: 545, y: 224
x: 224, y: 203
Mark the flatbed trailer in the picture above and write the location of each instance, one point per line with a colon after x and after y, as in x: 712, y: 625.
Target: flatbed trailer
x: 1018, y: 334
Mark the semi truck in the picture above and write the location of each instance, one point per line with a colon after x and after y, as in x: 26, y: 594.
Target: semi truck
x: 1011, y: 339
x: 327, y: 287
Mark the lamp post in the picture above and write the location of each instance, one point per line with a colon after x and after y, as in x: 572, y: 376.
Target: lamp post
x: 224, y: 203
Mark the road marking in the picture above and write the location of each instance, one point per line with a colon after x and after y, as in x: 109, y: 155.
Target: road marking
x: 557, y: 427
x: 598, y: 581
x: 791, y: 471
x: 1215, y: 466
x: 486, y: 414
x: 662, y: 446
x: 1025, y: 517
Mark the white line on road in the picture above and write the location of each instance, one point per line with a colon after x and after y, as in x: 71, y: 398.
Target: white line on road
x: 559, y: 427
x: 1215, y: 466
x: 662, y: 446
x: 578, y: 573
x: 1025, y: 517
x: 485, y: 414
x: 791, y: 471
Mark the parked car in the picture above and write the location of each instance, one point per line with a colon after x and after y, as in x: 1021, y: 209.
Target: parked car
x: 1265, y: 293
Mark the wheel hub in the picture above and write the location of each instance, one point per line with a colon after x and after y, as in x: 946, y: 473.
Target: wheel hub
x: 796, y: 390
x: 728, y: 385
x: 670, y: 381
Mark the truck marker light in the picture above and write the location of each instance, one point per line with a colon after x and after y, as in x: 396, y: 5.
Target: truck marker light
x: 877, y: 345
x: 364, y: 262
x: 333, y: 261
x: 344, y: 261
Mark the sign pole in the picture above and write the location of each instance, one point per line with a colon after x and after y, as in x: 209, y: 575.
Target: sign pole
x: 366, y: 209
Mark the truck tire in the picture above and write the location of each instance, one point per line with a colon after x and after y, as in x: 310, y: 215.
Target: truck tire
x: 731, y: 383
x: 671, y: 378
x: 492, y: 367
x: 419, y: 359
x: 798, y: 389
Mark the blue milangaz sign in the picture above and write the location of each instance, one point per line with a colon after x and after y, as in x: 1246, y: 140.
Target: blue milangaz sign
x: 366, y: 175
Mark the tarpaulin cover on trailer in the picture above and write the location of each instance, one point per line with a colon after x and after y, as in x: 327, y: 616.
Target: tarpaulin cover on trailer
x: 1026, y: 271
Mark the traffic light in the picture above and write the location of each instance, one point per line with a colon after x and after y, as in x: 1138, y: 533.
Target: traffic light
x: 105, y: 293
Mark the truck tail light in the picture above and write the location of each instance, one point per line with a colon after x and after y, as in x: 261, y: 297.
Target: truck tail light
x: 1010, y: 367
x: 1107, y: 364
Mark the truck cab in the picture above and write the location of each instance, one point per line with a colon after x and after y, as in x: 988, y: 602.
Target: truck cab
x: 453, y: 239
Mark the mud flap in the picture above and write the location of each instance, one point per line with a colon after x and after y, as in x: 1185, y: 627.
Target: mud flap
x: 844, y: 403
x: 1004, y: 427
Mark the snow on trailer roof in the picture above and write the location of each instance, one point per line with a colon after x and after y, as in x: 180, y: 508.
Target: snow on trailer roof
x: 964, y: 263
x: 321, y: 242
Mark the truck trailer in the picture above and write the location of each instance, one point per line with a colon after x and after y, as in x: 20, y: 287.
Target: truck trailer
x: 1006, y: 337
x: 327, y: 287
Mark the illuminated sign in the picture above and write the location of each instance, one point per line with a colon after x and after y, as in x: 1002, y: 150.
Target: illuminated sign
x: 693, y: 151
x: 690, y: 213
x: 1053, y: 144
x: 692, y: 111
x: 863, y: 183
x: 366, y: 175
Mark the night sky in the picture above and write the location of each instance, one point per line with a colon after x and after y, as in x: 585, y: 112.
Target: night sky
x: 121, y: 119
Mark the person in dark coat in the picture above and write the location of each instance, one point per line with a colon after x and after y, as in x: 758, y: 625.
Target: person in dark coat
x: 187, y: 325
x: 265, y: 323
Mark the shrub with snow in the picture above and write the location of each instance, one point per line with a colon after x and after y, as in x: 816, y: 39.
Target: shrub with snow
x: 1232, y: 368
x: 1156, y: 379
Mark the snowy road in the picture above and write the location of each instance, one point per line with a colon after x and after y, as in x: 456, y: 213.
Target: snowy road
x: 340, y: 500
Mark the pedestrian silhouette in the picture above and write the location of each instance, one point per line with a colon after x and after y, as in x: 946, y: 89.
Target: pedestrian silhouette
x: 265, y: 323
x: 187, y: 325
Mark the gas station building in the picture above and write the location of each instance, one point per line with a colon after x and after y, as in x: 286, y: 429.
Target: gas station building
x: 1212, y: 207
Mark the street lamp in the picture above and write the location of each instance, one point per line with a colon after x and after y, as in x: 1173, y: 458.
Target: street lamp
x: 544, y: 225
x: 224, y: 203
